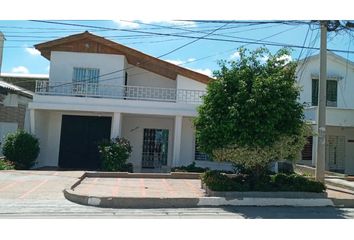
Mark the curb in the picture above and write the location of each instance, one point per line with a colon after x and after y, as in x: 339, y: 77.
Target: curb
x: 130, y: 202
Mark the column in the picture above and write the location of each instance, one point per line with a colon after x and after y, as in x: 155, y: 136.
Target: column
x: 177, y: 141
x: 116, y: 127
x: 32, y: 121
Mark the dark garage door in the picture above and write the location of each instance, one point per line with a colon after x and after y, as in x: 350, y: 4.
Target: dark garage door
x: 78, y: 141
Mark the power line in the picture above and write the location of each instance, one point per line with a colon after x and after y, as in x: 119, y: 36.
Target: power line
x: 165, y: 54
x: 198, y: 59
x: 277, y: 44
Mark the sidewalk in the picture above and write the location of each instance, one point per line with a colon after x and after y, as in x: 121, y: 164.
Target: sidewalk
x: 164, y: 190
x: 341, y: 192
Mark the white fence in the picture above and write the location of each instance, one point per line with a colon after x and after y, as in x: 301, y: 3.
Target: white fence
x: 119, y: 92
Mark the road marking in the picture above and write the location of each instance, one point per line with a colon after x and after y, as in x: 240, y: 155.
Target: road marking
x: 142, y: 187
x: 9, y: 185
x: 169, y: 188
x: 37, y: 186
x: 115, y: 189
x: 34, y: 188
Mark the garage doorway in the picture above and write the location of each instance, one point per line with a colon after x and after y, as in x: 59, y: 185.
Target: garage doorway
x: 78, y: 141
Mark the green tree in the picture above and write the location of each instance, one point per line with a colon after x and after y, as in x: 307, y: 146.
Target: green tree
x: 250, y: 114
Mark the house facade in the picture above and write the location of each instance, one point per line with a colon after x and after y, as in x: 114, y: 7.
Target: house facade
x: 100, y: 89
x: 339, y: 110
x: 13, y: 109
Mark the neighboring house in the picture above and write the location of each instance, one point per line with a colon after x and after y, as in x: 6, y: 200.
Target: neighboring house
x: 98, y: 89
x: 26, y: 81
x: 339, y: 112
x: 13, y: 109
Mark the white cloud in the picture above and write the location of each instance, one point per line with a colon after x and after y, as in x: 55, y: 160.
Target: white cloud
x: 127, y: 24
x: 171, y: 22
x: 32, y: 51
x: 178, y: 61
x: 286, y: 58
x: 20, y: 69
x: 235, y: 55
x: 205, y: 71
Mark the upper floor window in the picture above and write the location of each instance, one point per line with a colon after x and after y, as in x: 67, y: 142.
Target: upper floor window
x: 86, y: 75
x: 331, y: 93
x: 85, y: 81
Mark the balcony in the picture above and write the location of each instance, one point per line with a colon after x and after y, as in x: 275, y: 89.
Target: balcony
x: 343, y: 117
x: 140, y: 93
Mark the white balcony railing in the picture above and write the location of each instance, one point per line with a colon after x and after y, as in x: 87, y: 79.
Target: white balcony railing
x: 119, y: 92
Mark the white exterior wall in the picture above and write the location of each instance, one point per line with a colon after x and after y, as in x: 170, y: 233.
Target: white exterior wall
x: 335, y: 67
x: 141, y: 77
x: 62, y: 66
x: 133, y: 130
x: 190, y: 84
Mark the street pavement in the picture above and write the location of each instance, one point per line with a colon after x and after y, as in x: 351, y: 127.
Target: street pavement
x: 38, y: 194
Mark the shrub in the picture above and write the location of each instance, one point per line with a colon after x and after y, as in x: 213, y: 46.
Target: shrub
x: 296, y: 182
x: 6, y: 165
x: 21, y: 148
x: 217, y: 181
x: 114, y: 154
x: 190, y: 168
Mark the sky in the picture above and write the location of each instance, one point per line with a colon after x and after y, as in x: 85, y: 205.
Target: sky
x: 20, y: 56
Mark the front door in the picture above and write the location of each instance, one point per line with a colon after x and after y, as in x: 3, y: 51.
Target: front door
x: 155, y: 148
x: 78, y: 141
x: 336, y: 153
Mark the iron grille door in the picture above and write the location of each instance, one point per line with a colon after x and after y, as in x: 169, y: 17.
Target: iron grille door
x: 155, y: 148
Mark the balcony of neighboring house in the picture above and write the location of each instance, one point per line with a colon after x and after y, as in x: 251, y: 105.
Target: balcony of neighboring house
x: 343, y: 117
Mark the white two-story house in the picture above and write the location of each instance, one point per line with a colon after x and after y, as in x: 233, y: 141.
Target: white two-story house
x: 99, y: 89
x: 339, y: 112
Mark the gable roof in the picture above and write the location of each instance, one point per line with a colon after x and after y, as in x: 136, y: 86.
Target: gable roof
x: 332, y: 54
x: 88, y: 42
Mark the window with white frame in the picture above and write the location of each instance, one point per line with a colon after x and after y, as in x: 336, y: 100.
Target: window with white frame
x: 331, y: 92
x: 85, y: 80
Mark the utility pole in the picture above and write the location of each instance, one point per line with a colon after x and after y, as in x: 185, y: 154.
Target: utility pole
x: 322, y: 101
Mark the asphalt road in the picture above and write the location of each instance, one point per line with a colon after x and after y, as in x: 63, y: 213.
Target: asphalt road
x: 65, y: 209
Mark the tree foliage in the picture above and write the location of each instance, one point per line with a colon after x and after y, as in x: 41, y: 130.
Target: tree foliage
x: 250, y: 114
x: 21, y: 148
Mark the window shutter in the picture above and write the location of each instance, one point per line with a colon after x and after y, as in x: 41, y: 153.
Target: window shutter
x: 332, y: 93
x: 314, y: 92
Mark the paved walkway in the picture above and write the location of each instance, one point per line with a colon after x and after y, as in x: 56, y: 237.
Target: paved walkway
x: 340, y: 183
x: 141, y: 187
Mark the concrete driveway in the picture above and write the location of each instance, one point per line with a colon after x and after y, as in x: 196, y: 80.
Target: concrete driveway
x: 35, y: 185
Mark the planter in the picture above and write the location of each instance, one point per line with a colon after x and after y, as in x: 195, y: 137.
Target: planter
x: 253, y: 194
